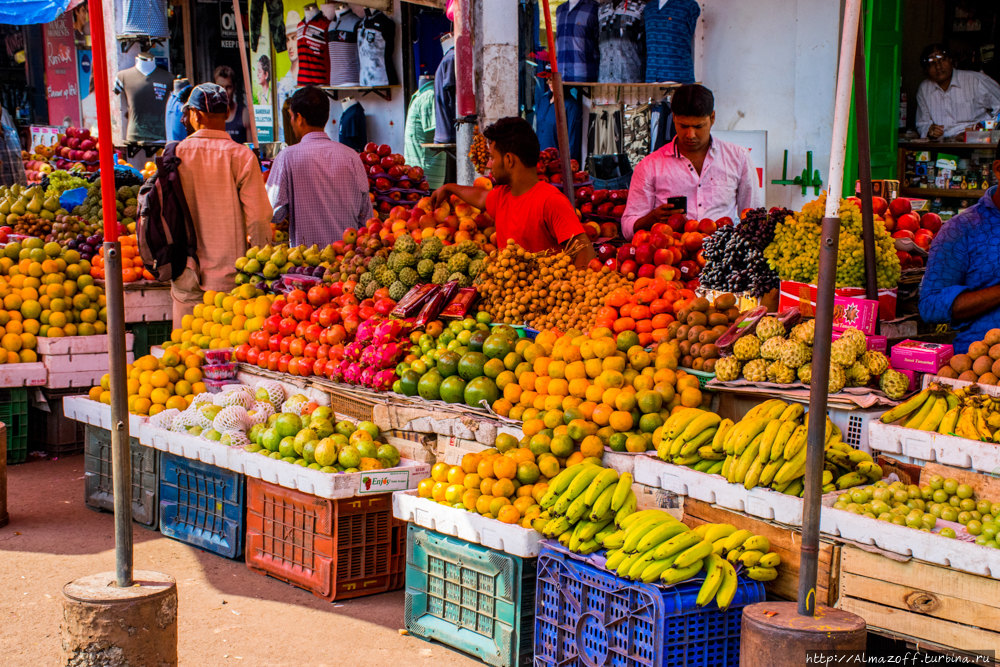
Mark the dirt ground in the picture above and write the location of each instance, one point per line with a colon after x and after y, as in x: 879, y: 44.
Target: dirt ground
x: 228, y: 615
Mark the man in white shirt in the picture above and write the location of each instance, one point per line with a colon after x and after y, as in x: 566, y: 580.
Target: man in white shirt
x: 951, y: 100
x: 717, y: 177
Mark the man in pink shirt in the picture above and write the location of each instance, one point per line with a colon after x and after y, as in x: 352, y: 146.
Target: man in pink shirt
x: 716, y: 177
x: 225, y: 193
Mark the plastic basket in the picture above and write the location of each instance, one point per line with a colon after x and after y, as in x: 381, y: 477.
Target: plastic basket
x: 51, y: 430
x: 585, y: 615
x: 98, y: 488
x: 148, y: 334
x: 470, y: 597
x: 351, y: 406
x: 14, y: 413
x: 703, y: 377
x: 202, y: 505
x: 853, y: 424
x: 336, y: 549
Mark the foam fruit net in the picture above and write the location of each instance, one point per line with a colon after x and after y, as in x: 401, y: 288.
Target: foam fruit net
x: 275, y: 392
x: 242, y: 397
x: 261, y: 412
x: 232, y: 418
x: 165, y: 419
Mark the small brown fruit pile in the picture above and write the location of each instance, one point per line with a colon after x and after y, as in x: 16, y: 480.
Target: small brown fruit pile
x: 980, y: 364
x: 479, y: 152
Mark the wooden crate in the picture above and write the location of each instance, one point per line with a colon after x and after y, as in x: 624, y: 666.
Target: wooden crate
x: 921, y: 602
x: 785, y: 541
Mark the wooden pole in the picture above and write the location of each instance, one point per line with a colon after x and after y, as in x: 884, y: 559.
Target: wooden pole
x: 247, y: 90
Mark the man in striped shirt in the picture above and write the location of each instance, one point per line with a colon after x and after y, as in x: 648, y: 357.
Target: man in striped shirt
x: 951, y: 100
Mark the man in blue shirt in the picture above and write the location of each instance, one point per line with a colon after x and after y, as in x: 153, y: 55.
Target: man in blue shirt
x: 962, y: 282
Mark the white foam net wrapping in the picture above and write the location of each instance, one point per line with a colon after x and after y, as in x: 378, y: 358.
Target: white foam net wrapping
x: 165, y: 419
x: 261, y: 412
x: 236, y: 438
x: 294, y: 407
x: 275, y: 392
x: 185, y: 419
x: 242, y: 397
x: 204, y: 397
x: 231, y: 418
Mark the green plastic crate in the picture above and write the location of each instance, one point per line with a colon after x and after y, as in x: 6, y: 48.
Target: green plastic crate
x: 148, y: 334
x: 14, y: 413
x: 472, y: 598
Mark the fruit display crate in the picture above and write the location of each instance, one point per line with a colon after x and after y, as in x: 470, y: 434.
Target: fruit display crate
x: 14, y: 415
x: 335, y: 549
x: 50, y: 429
x: 854, y: 425
x: 148, y: 303
x: 150, y: 333
x: 83, y: 409
x: 928, y: 446
x: 202, y: 505
x: 79, y: 344
x: 190, y: 447
x: 586, y: 615
x: 472, y: 598
x: 23, y: 375
x: 468, y: 526
x: 714, y: 489
x: 98, y: 488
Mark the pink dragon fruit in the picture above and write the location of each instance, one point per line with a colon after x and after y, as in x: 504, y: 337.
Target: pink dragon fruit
x: 388, y: 331
x: 366, y: 331
x: 353, y: 374
x: 388, y: 355
x: 353, y: 351
x: 339, y: 370
x: 383, y: 380
x: 369, y: 356
x: 368, y: 376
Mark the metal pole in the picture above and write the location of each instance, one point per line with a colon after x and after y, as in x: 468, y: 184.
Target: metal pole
x: 865, y: 164
x: 247, y: 90
x: 842, y: 108
x: 465, y: 94
x: 121, y: 465
x: 562, y: 131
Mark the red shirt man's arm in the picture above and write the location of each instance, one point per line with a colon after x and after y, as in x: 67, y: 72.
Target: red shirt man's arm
x: 565, y: 226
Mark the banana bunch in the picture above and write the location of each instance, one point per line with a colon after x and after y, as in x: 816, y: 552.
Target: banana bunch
x: 652, y: 545
x: 963, y: 412
x: 583, y: 504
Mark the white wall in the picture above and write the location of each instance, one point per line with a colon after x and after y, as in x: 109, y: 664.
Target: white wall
x: 772, y: 65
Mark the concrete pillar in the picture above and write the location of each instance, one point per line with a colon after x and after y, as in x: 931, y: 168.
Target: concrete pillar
x: 496, y: 59
x: 107, y: 626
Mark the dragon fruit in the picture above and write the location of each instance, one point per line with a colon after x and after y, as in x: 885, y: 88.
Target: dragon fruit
x: 366, y: 330
x: 353, y: 374
x: 369, y: 356
x: 338, y: 371
x: 354, y: 350
x: 368, y: 375
x: 388, y: 355
x: 383, y: 380
x: 388, y: 331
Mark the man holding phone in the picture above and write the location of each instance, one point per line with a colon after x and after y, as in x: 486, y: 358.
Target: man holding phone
x: 694, y: 174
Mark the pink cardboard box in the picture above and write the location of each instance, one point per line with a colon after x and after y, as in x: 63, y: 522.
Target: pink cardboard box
x: 916, y: 378
x: 877, y: 343
x: 918, y: 356
x: 861, y: 314
x: 803, y: 295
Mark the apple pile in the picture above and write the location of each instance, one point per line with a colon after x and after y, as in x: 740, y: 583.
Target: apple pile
x: 904, y: 223
x: 75, y: 146
x: 671, y: 250
x: 601, y: 211
x: 391, y: 181
x: 550, y: 168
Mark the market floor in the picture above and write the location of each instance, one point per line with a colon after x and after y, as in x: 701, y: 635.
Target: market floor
x: 228, y: 614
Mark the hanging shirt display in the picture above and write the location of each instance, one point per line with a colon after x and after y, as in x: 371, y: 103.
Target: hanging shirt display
x: 545, y: 120
x: 145, y: 17
x: 275, y: 22
x: 342, y: 42
x: 577, y: 40
x: 314, y: 56
x: 376, y: 44
x: 444, y: 100
x: 670, y: 40
x: 419, y: 130
x: 622, y: 42
x: 353, y: 127
x: 146, y: 97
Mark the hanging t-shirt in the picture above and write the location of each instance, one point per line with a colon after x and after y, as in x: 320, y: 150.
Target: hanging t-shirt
x: 577, y: 38
x: 623, y: 42
x: 444, y: 100
x: 353, y: 127
x: 314, y: 56
x: 670, y: 40
x: 545, y: 120
x: 146, y: 97
x: 376, y: 44
x: 342, y: 42
x: 145, y: 17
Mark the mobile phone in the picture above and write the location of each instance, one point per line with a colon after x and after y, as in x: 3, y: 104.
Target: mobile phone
x: 678, y: 202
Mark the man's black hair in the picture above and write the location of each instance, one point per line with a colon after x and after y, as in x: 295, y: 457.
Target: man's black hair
x: 931, y: 48
x: 312, y: 104
x: 692, y: 100
x: 514, y: 135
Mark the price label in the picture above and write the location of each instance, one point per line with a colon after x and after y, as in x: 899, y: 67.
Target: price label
x: 384, y: 481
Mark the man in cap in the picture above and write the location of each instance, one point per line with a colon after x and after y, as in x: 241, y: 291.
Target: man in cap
x: 225, y: 193
x: 287, y: 83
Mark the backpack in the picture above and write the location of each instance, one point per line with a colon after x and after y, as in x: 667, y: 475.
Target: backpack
x: 164, y: 227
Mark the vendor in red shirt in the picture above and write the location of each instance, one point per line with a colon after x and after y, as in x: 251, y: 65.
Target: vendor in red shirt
x: 535, y: 215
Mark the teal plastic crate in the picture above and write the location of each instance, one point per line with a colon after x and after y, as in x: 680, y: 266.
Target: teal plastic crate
x: 477, y: 600
x: 148, y: 334
x: 14, y: 414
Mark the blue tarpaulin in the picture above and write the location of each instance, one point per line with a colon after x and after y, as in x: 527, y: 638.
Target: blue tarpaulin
x: 30, y: 12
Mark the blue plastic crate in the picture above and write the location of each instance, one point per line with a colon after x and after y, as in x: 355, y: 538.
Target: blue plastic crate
x: 469, y: 597
x: 202, y: 505
x: 587, y: 616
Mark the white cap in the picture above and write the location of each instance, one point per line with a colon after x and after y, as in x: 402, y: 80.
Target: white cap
x: 292, y: 19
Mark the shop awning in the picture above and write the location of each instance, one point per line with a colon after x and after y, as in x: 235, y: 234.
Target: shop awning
x: 29, y: 12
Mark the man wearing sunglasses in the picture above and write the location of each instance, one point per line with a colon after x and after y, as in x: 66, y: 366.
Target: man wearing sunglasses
x: 952, y: 100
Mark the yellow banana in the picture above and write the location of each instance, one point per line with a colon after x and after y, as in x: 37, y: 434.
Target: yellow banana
x: 626, y: 510
x: 920, y: 415
x: 718, y: 531
x: 626, y: 565
x: 592, y: 528
x: 750, y: 558
x: 718, y: 442
x: 934, y: 417
x: 709, y: 455
x: 784, y: 434
x: 775, y: 412
x: 757, y: 543
x: 727, y: 465
x: 639, y: 530
x: 654, y: 570
x: 574, y: 538
x: 660, y: 534
x: 713, y: 580
x: 770, y: 434
x: 947, y: 425
x: 564, y: 538
x: 793, y: 412
x: 762, y: 573
x: 588, y: 547
x: 704, y: 421
x: 676, y: 575
x: 796, y: 442
x: 770, y: 560
x: 719, y: 546
x: 615, y: 540
x: 583, y: 480
x: 858, y: 456
x: 746, y: 460
x: 694, y: 554
x: 561, y: 481
x: 677, y: 544
x: 753, y: 429
x: 727, y: 589
x: 763, y: 408
x: 737, y: 539
x: 602, y: 506
x: 906, y: 407
x: 640, y: 565
x: 615, y: 559
x: 769, y: 471
x: 685, y: 417
x: 622, y: 489
x: 605, y: 533
x: 605, y: 479
x: 753, y: 475
x: 691, y: 446
x: 556, y: 527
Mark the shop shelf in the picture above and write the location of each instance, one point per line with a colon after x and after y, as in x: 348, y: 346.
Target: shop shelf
x: 472, y: 598
x: 14, y: 413
x: 336, y: 549
x: 202, y: 505
x: 585, y: 615
x: 98, y: 489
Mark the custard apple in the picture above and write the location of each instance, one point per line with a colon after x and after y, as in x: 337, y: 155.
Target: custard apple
x: 458, y: 263
x: 755, y: 370
x: 446, y: 253
x: 747, y: 348
x: 370, y: 288
x: 401, y: 260
x: 408, y: 277
x: 894, y: 384
x: 727, y: 369
x: 431, y: 248
x: 375, y: 262
x: 794, y: 354
x: 425, y: 268
x: 459, y: 278
x: 475, y: 266
x: 385, y: 276
x: 875, y: 362
x: 366, y: 278
x: 842, y: 352
x: 440, y: 276
x: 805, y: 373
x: 780, y: 373
x: 769, y: 327
x: 397, y: 290
x: 857, y: 339
x: 405, y: 243
x: 837, y: 379
x: 804, y: 332
x: 857, y: 375
x: 480, y: 254
x: 470, y: 248
x: 771, y: 349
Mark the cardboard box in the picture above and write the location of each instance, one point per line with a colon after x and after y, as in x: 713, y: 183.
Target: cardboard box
x: 803, y: 295
x: 918, y: 356
x: 861, y: 314
x: 877, y: 343
x: 916, y: 378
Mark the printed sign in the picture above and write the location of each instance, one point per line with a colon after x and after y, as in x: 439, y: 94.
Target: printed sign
x: 61, y: 77
x: 265, y: 123
x: 44, y: 135
x: 384, y: 482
